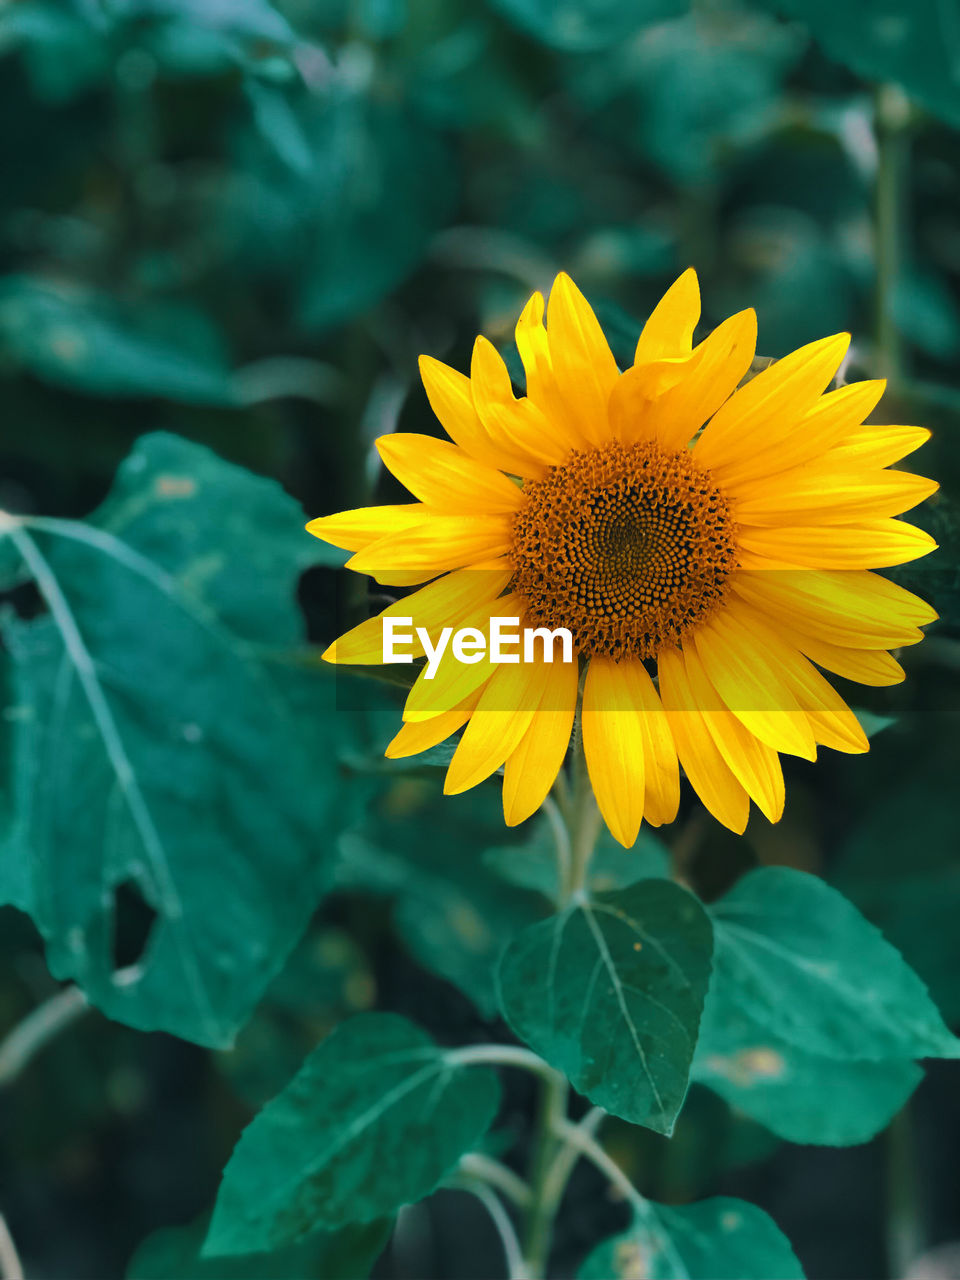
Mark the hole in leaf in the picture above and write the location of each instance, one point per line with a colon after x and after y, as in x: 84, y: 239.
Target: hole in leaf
x: 133, y: 921
x: 26, y: 600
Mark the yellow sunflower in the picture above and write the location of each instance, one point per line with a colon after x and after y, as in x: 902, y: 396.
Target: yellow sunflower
x: 705, y: 572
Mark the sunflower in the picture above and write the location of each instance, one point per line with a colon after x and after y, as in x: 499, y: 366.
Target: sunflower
x: 708, y: 541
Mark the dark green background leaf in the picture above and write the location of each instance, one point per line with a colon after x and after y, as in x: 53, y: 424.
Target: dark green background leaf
x: 375, y: 1118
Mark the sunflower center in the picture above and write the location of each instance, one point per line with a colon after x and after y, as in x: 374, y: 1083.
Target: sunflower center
x: 629, y: 546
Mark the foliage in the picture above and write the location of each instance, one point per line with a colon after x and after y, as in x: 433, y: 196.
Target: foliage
x: 226, y: 232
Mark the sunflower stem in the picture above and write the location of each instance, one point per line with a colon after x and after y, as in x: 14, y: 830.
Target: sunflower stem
x: 538, y: 1220
x: 584, y: 825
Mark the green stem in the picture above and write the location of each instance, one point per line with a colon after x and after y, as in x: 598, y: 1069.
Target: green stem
x: 904, y: 1231
x: 538, y: 1221
x: 892, y: 121
x: 483, y: 1168
x: 500, y: 1055
x: 585, y: 823
x: 10, y: 1265
x: 38, y: 1028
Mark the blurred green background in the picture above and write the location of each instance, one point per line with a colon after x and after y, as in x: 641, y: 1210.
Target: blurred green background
x: 241, y: 222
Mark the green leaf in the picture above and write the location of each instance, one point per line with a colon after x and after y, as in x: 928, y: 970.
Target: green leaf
x: 376, y: 1118
x: 799, y: 1096
x: 718, y: 1239
x: 610, y: 992
x: 799, y: 960
x: 452, y: 912
x: 881, y: 40
x: 154, y: 745
x: 587, y: 24
x: 533, y: 865
x: 88, y: 342
x: 347, y: 1254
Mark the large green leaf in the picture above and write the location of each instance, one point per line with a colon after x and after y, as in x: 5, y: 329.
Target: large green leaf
x: 719, y: 1239
x: 347, y: 1254
x: 587, y: 24
x: 913, y: 45
x: 376, y: 1118
x: 453, y: 913
x: 800, y: 1096
x: 610, y: 992
x: 154, y: 745
x: 801, y: 961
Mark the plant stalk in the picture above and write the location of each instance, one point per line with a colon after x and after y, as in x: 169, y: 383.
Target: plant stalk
x: 892, y: 123
x: 538, y: 1220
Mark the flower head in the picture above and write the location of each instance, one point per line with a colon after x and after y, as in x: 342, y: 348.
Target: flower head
x: 708, y: 542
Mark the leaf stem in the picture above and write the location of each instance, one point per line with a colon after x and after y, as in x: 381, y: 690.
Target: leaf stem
x: 10, y: 1266
x: 500, y: 1055
x: 567, y: 1157
x: 516, y: 1267
x: 582, y: 1140
x: 484, y: 1168
x: 43, y: 1024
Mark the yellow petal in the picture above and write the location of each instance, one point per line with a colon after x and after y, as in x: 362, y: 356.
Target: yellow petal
x: 613, y: 743
x: 868, y: 544
x: 746, y: 677
x: 454, y: 681
x: 444, y: 603
x: 829, y: 422
x: 871, y: 446
x: 447, y: 477
x: 661, y: 772
x: 637, y: 391
x: 442, y: 542
x: 712, y: 374
x: 855, y: 608
x: 761, y: 414
x: 354, y: 530
x: 867, y: 666
x: 669, y: 331
x: 519, y: 424
x: 825, y: 495
x: 542, y: 389
x: 451, y: 398
x: 832, y: 721
x: 582, y: 361
x: 755, y: 765
x: 532, y: 768
x: 506, y: 708
x: 416, y: 736
x: 709, y: 774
